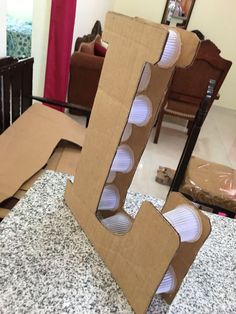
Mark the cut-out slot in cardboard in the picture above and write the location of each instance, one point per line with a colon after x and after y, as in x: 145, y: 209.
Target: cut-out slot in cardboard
x: 110, y: 198
x: 123, y: 160
x: 138, y: 252
x: 127, y: 132
x: 171, y: 51
x: 186, y: 221
x: 145, y: 78
x: 141, y: 111
x: 119, y: 223
x: 168, y: 283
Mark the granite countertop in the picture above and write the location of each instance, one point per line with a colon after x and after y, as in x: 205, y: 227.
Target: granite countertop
x: 47, y: 265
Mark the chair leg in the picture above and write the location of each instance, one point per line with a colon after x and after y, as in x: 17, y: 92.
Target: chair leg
x: 87, y: 120
x: 189, y: 126
x: 158, y: 126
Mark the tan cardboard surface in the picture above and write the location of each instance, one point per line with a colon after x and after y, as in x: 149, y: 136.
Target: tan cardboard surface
x: 139, y: 259
x: 210, y: 183
x: 187, y: 251
x: 25, y: 186
x: 19, y: 194
x: 64, y: 159
x: 27, y: 145
x: 4, y: 212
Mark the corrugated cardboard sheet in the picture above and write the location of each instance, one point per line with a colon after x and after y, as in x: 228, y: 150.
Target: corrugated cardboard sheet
x: 138, y: 260
x: 27, y: 145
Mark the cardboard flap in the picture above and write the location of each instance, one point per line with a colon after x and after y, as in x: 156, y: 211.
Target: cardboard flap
x: 65, y: 158
x: 29, y: 142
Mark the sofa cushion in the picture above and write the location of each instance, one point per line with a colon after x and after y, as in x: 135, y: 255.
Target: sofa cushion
x: 99, y: 50
x: 87, y: 48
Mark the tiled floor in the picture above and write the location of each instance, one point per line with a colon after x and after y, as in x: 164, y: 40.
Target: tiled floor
x: 217, y: 142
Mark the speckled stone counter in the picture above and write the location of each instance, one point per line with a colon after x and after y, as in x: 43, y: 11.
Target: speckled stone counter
x: 47, y: 265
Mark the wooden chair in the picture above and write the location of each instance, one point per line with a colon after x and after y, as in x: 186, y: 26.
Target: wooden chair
x: 16, y: 91
x: 188, y: 85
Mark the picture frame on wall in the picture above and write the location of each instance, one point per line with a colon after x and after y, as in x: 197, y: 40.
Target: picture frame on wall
x: 177, y: 12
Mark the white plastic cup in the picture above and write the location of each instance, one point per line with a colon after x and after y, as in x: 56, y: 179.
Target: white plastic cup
x: 145, y: 78
x: 124, y: 159
x: 186, y: 222
x: 127, y: 132
x: 111, y: 177
x: 171, y: 50
x: 141, y: 111
x: 110, y: 198
x: 119, y: 223
x: 168, y: 283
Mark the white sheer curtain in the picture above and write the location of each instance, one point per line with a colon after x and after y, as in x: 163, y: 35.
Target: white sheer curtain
x: 40, y: 30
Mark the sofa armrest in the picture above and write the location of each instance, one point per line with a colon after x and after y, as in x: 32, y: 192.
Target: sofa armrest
x: 86, y: 61
x: 85, y: 71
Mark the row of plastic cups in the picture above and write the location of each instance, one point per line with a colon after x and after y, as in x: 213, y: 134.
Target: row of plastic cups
x: 184, y: 219
x: 141, y: 109
x: 169, y: 57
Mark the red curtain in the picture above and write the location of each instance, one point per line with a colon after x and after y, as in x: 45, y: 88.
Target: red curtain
x: 59, y: 49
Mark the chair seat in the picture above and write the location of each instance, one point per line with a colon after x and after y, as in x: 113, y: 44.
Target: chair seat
x: 210, y: 183
x: 181, y: 109
x: 189, y: 85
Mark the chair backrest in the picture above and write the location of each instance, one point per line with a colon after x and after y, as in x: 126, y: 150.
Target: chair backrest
x: 193, y: 136
x: 96, y: 30
x: 189, y: 84
x: 15, y: 89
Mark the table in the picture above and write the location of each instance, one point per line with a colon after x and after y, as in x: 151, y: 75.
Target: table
x: 47, y: 264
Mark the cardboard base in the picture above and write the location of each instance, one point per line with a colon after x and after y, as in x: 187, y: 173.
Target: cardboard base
x: 27, y: 145
x: 137, y: 260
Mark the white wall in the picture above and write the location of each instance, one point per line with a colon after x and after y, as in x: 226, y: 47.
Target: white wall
x: 20, y: 9
x: 40, y: 30
x: 214, y: 18
x: 87, y: 12
x: 148, y: 9
x: 3, y: 8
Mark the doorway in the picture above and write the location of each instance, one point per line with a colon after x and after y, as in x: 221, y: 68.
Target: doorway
x: 19, y: 28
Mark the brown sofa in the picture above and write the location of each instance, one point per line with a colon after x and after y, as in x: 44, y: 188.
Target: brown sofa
x: 85, y: 70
